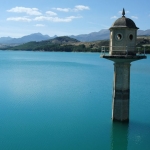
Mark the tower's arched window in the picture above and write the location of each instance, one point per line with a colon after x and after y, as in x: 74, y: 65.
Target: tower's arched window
x: 119, y: 36
x: 131, y: 37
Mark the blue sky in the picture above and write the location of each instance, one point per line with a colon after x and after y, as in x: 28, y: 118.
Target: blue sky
x: 68, y: 17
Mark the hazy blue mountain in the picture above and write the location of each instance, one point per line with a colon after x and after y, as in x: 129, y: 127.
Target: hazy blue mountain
x: 102, y: 35
x: 32, y: 37
x: 4, y: 39
x: 94, y: 36
x: 143, y: 32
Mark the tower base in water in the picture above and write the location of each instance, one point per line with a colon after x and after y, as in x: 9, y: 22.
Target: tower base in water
x: 121, y: 86
x: 121, y: 91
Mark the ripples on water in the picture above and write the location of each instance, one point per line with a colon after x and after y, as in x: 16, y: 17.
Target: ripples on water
x: 63, y: 101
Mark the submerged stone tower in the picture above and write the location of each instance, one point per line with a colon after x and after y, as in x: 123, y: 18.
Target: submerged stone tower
x: 122, y: 50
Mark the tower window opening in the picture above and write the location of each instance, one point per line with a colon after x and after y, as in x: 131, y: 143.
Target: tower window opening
x: 131, y: 37
x: 119, y: 36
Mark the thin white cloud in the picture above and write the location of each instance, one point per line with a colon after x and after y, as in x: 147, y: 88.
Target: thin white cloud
x: 62, y: 9
x: 81, y: 7
x: 29, y: 11
x: 114, y: 17
x: 40, y: 25
x: 42, y: 18
x: 134, y: 17
x: 127, y: 12
x: 51, y: 13
x: 24, y: 19
x: 74, y: 17
x: 56, y: 19
x: 76, y: 8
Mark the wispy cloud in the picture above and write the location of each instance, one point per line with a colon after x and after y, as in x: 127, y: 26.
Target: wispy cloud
x: 134, y: 17
x: 114, y: 17
x: 40, y: 25
x: 51, y: 16
x: 76, y: 8
x: 56, y: 19
x: 81, y: 7
x: 62, y: 9
x: 51, y: 13
x: 120, y: 12
x: 29, y: 11
x: 24, y: 19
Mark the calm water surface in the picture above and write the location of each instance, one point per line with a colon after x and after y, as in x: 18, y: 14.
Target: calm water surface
x: 62, y: 101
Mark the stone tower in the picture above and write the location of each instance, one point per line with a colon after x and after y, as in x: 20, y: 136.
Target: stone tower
x: 122, y: 50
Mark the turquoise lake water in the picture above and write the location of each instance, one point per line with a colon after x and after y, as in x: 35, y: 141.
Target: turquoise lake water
x: 62, y: 101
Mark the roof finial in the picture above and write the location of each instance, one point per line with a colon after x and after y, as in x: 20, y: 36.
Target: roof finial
x: 123, y: 12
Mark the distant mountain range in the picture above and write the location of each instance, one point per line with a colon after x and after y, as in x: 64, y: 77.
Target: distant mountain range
x: 103, y: 35
x: 94, y: 36
x: 32, y: 37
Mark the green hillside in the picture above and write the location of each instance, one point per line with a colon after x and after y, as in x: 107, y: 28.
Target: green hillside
x: 59, y: 44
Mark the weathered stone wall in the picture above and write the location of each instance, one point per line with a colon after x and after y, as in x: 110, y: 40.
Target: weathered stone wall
x: 123, y: 44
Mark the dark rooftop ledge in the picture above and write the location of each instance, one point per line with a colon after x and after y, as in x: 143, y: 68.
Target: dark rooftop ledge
x: 123, y: 58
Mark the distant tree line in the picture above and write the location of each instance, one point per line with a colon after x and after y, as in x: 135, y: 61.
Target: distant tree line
x: 32, y: 46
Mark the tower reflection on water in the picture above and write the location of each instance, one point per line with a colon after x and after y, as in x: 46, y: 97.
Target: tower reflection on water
x: 119, y: 136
